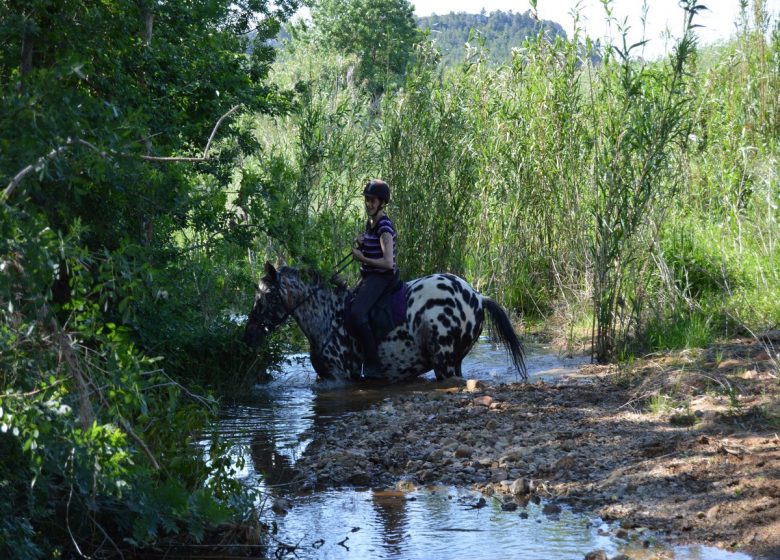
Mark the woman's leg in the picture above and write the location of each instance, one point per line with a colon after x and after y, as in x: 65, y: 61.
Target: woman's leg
x: 368, y: 292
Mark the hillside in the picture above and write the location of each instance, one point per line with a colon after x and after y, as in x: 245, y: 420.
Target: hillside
x: 502, y: 31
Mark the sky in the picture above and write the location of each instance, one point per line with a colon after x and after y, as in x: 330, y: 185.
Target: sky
x: 663, y: 15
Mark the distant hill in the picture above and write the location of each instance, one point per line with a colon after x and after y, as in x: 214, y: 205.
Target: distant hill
x: 502, y: 31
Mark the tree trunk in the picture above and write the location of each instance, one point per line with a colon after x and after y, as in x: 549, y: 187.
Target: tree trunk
x: 27, y: 52
x: 148, y: 18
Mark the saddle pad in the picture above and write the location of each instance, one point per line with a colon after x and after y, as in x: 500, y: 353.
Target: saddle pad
x: 398, y: 304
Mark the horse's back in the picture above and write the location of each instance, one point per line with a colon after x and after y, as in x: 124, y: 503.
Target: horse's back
x: 442, y: 293
x: 444, y: 317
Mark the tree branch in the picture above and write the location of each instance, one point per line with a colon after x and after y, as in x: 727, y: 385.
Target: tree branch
x: 41, y: 161
x: 205, y: 155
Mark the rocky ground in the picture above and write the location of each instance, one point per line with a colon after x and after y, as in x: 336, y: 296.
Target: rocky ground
x: 685, y: 445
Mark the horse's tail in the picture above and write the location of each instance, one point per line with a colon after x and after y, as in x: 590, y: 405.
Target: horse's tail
x: 506, y: 334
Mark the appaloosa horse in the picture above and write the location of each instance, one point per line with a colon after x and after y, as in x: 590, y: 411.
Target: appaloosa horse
x: 443, y: 319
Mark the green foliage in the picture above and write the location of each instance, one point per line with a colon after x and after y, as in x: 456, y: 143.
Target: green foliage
x: 647, y: 192
x: 647, y: 188
x: 381, y: 33
x: 693, y: 329
x: 100, y: 235
x: 648, y: 113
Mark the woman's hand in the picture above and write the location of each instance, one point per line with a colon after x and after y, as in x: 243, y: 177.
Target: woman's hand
x: 357, y: 254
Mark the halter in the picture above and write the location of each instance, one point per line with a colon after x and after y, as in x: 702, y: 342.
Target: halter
x: 289, y: 308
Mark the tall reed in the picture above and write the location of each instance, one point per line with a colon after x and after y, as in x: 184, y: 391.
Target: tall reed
x: 551, y: 182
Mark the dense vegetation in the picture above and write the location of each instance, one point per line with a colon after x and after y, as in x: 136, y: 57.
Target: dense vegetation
x: 113, y: 256
x: 149, y: 162
x: 499, y: 31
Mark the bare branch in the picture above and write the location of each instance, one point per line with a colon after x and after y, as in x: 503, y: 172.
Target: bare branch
x: 33, y: 167
x: 205, y: 155
x: 41, y: 161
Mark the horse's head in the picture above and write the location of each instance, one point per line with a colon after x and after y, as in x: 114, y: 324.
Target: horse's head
x: 269, y: 310
x: 278, y: 294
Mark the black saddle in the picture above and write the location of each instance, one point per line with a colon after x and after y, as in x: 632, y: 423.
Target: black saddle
x: 387, y: 313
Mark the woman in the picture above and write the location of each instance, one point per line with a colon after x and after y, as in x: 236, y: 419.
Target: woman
x: 375, y: 250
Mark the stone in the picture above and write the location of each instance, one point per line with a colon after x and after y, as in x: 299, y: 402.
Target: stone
x: 464, y: 451
x: 497, y: 476
x: 281, y: 506
x: 509, y: 506
x: 522, y: 486
x: 551, y: 509
x: 484, y: 400
x: 474, y: 385
x: 565, y: 463
x: 596, y: 555
x: 405, y: 485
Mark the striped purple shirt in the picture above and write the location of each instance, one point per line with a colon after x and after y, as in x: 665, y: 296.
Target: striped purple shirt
x: 371, y: 247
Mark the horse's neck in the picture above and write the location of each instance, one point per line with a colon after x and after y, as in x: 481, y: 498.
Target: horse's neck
x: 318, y: 317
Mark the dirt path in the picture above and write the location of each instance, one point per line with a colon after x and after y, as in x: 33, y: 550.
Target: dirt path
x: 699, y: 465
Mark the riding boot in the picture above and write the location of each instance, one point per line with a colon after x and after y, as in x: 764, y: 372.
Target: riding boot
x: 371, y: 368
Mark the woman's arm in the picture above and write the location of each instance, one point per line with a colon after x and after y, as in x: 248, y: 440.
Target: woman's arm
x: 386, y: 262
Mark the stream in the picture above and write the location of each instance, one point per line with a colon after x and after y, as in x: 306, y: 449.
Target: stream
x: 271, y: 427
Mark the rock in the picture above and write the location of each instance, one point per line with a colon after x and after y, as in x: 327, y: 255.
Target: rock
x: 405, y: 485
x: 730, y: 363
x: 565, y: 463
x: 464, y: 452
x: 474, y: 385
x: 596, y: 555
x: 522, y: 486
x: 551, y: 509
x: 509, y: 506
x: 497, y: 476
x: 484, y: 400
x: 281, y: 506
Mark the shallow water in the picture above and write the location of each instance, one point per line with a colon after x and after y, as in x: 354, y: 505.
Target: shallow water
x: 272, y: 426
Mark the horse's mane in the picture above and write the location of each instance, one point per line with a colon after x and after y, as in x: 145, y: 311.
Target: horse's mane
x: 315, y: 278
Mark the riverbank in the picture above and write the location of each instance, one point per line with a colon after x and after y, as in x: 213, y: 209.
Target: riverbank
x: 684, y: 445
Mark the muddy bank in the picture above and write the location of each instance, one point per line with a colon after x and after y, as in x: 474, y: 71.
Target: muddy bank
x: 699, y: 464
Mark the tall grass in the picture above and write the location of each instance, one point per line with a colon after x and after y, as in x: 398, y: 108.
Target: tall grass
x: 645, y: 192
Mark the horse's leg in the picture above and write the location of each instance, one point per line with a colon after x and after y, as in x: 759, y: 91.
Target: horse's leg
x: 446, y: 371
x: 458, y: 370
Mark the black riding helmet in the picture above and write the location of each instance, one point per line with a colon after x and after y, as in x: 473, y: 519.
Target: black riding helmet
x: 379, y: 189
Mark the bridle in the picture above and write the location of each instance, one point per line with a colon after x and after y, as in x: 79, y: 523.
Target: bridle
x: 289, y: 307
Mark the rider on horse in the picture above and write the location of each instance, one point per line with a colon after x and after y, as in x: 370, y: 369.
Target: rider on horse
x: 375, y: 250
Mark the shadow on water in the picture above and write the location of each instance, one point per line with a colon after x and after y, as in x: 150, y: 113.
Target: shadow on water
x: 272, y: 427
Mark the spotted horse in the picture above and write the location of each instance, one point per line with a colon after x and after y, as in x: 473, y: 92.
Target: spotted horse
x: 443, y: 319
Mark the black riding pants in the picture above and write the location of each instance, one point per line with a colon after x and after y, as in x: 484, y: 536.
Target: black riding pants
x: 370, y: 289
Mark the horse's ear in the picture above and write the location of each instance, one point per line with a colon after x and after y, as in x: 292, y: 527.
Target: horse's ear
x: 270, y: 271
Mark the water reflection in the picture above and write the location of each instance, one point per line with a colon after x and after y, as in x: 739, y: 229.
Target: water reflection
x: 390, y: 508
x: 272, y: 427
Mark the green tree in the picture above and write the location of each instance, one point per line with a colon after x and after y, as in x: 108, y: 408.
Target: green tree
x: 110, y: 208
x: 382, y: 33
